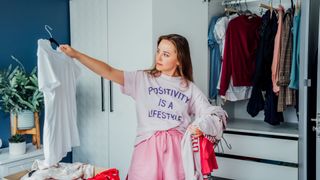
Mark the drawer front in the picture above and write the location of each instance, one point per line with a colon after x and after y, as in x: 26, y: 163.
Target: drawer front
x: 21, y: 165
x: 261, y: 147
x: 3, y: 171
x: 248, y: 170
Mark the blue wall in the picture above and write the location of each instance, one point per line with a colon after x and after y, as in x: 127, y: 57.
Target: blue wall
x: 21, y: 25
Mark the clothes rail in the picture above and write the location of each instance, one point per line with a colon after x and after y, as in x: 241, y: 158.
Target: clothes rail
x: 230, y: 2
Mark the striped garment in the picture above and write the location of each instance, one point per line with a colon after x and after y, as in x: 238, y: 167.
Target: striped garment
x: 286, y: 95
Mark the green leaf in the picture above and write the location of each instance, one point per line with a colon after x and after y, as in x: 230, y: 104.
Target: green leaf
x: 19, y: 90
x: 31, y: 88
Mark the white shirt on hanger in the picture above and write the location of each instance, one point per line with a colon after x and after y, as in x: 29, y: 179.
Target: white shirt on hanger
x: 57, y: 75
x: 220, y: 29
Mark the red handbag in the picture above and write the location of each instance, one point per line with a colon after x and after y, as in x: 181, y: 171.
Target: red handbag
x: 110, y: 174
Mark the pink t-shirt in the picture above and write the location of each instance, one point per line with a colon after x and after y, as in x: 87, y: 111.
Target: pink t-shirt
x: 162, y: 103
x: 276, y: 52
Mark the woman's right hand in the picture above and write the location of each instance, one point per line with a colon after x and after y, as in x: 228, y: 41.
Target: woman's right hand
x: 68, y: 50
x: 195, y: 131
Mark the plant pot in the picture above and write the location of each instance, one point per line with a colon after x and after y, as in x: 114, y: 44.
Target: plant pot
x: 25, y: 120
x: 17, y: 148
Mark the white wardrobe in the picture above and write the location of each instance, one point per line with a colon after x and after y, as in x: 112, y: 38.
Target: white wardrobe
x: 124, y: 34
x: 88, y: 34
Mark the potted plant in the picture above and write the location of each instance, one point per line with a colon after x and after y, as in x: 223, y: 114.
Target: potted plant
x: 20, y: 95
x: 17, y: 145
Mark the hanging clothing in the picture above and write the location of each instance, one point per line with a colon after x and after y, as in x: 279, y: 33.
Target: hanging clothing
x: 276, y: 51
x: 271, y: 115
x: 286, y: 95
x: 233, y: 93
x: 220, y: 30
x: 57, y: 75
x: 215, y: 60
x: 239, y: 54
x: 263, y: 70
x: 262, y: 76
x: 268, y: 30
x: 237, y: 93
x: 294, y: 76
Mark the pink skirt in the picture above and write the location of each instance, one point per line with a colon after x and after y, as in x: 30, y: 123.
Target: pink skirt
x: 158, y: 158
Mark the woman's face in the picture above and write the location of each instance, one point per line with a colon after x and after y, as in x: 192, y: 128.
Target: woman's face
x: 166, y: 58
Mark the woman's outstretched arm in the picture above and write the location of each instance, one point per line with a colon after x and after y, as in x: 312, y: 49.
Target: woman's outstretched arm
x: 99, y: 67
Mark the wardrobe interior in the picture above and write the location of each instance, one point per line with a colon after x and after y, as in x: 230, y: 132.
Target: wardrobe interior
x: 252, y: 144
x: 239, y: 119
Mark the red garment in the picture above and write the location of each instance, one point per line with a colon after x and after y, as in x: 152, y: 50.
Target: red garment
x: 207, y: 156
x: 239, y: 54
x: 110, y: 174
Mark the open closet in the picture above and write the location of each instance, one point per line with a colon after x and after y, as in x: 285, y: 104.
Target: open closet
x: 260, y: 146
x: 124, y: 34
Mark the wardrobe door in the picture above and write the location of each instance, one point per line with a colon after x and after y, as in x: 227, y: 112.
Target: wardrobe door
x: 308, y: 91
x: 129, y: 48
x: 317, y: 119
x: 317, y: 115
x: 88, y: 24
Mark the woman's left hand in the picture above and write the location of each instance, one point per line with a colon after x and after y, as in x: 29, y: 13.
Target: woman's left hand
x: 195, y: 131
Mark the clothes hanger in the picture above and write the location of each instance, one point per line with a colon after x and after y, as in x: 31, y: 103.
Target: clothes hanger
x: 17, y: 60
x: 247, y: 12
x: 266, y: 6
x: 240, y: 12
x: 269, y: 7
x: 230, y: 8
x: 297, y: 5
x: 48, y: 29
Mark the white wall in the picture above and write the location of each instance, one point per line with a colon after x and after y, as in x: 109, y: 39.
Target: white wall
x: 166, y: 20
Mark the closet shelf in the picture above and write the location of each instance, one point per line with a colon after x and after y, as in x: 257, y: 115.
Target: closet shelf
x: 262, y: 128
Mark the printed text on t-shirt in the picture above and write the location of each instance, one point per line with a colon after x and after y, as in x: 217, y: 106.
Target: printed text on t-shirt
x: 165, y: 104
